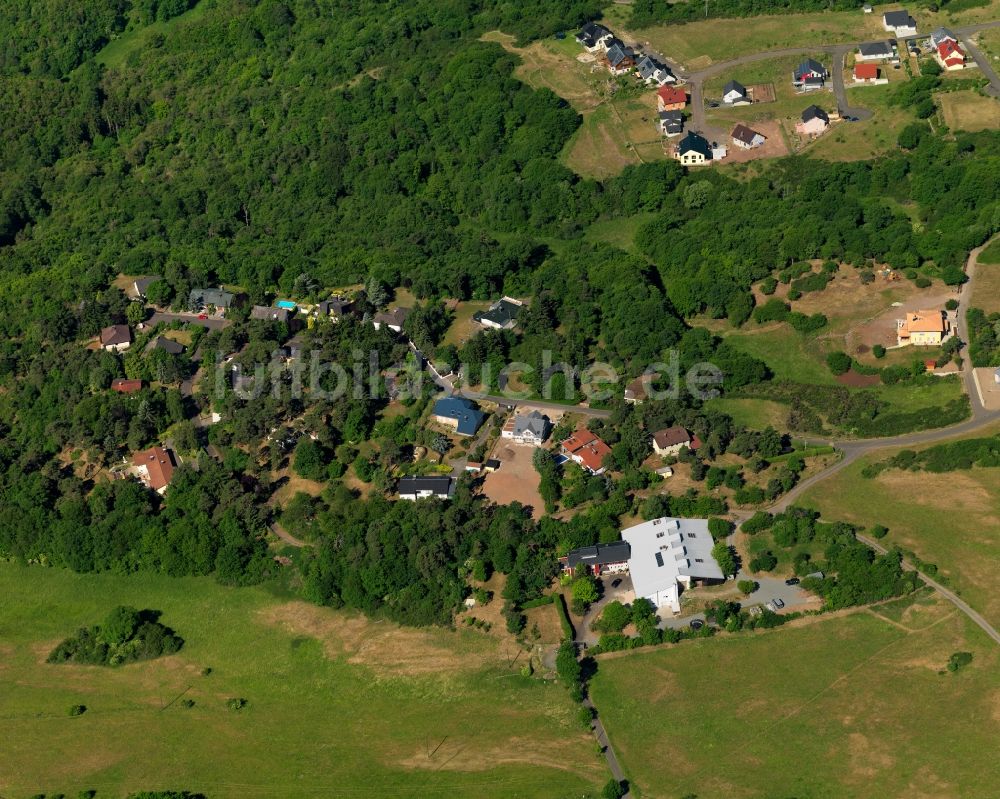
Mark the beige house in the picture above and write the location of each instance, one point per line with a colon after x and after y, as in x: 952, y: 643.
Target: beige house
x: 116, y: 338
x: 693, y: 150
x: 814, y: 121
x: 671, y: 440
x: 922, y: 329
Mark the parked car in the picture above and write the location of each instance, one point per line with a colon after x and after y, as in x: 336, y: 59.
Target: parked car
x: 696, y: 624
x: 792, y: 581
x: 778, y: 603
x: 616, y: 583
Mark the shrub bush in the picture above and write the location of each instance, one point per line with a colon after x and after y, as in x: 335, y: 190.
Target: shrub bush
x: 839, y: 362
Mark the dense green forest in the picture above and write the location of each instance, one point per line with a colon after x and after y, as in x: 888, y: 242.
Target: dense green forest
x: 289, y: 147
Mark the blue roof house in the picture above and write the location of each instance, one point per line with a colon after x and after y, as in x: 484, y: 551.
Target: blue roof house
x: 459, y: 413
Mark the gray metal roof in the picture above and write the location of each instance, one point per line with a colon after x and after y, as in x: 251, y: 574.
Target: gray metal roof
x: 535, y: 422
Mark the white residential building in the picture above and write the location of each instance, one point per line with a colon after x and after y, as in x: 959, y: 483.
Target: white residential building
x: 529, y: 428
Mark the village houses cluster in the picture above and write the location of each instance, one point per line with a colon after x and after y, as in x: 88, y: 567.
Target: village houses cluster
x: 694, y: 149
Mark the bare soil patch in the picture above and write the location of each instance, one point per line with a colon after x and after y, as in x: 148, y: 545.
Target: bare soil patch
x: 774, y: 147
x: 761, y: 92
x: 516, y: 480
x: 855, y: 380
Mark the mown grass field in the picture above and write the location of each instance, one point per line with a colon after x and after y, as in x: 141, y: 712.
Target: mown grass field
x: 950, y: 519
x: 969, y: 111
x: 846, y: 706
x: 338, y: 705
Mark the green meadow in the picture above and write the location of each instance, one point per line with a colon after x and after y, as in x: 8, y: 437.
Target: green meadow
x: 336, y: 705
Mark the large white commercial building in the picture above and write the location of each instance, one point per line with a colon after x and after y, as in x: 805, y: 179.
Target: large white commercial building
x: 667, y: 554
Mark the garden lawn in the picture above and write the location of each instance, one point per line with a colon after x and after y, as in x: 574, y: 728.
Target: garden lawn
x: 753, y: 413
x: 853, y: 141
x: 337, y: 705
x: 790, y: 354
x: 847, y: 706
x: 950, y: 519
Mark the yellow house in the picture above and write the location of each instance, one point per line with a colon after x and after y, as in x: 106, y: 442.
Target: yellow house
x: 922, y: 328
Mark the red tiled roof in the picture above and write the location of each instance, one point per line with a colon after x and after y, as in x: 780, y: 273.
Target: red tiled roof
x: 125, y: 386
x: 865, y: 71
x: 588, y: 448
x: 950, y: 51
x: 159, y: 465
x: 672, y: 94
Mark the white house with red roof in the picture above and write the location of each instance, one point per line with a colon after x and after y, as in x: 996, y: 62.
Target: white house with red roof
x: 586, y: 450
x: 950, y: 55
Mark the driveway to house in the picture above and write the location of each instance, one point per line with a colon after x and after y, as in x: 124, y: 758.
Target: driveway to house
x: 840, y: 90
x: 624, y: 593
x: 192, y: 318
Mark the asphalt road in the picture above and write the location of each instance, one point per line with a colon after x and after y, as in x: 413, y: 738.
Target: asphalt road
x: 984, y: 64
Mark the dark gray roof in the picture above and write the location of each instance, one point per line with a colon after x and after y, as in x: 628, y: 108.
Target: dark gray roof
x: 437, y: 484
x: 814, y: 112
x: 809, y: 65
x: 268, y: 313
x: 600, y: 554
x: 696, y: 143
x: 592, y: 33
x: 744, y: 134
x: 618, y: 53
x: 672, y: 121
x: 900, y: 19
x: 875, y: 49
x: 220, y: 298
x: 647, y: 66
x: 502, y: 313
x: 167, y: 345
x: 335, y: 306
x: 143, y: 283
x: 734, y: 86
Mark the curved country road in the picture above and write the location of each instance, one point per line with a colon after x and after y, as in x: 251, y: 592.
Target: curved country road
x: 852, y: 450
